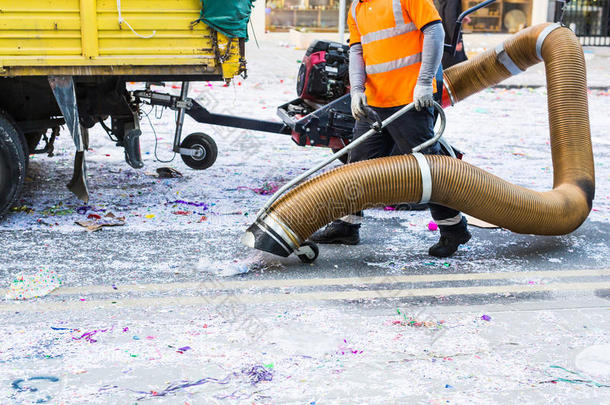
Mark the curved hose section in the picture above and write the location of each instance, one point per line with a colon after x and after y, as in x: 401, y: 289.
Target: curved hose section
x: 456, y: 184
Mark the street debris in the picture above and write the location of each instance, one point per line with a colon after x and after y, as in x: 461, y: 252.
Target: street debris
x: 415, y: 323
x: 168, y: 173
x: 268, y: 188
x: 561, y: 374
x: 232, y: 350
x: 26, y: 286
x: 98, y: 222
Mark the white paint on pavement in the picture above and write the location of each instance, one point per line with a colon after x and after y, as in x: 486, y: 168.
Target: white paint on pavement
x: 338, y: 281
x: 306, y: 296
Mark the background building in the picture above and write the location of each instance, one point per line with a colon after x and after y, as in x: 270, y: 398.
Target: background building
x: 323, y: 15
x: 300, y: 21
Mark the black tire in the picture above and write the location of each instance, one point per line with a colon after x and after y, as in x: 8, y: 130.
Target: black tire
x: 22, y: 139
x: 206, y: 145
x: 13, y: 162
x: 342, y: 159
x: 314, y: 248
x: 29, y: 142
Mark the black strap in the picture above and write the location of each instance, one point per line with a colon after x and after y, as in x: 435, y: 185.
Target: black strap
x: 438, y: 96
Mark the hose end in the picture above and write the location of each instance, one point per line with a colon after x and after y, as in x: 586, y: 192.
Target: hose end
x: 267, y: 235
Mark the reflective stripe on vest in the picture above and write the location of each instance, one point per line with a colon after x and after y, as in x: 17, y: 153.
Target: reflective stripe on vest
x: 388, y: 32
x: 399, y: 24
x: 397, y: 9
x: 353, y: 10
x: 393, y: 64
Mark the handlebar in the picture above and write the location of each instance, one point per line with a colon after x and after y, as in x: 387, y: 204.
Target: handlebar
x: 457, y: 32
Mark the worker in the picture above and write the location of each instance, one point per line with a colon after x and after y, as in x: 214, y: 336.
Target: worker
x: 450, y: 10
x: 395, y: 51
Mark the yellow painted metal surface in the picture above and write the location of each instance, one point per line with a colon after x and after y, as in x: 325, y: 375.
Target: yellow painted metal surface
x: 88, y: 29
x: 41, y: 37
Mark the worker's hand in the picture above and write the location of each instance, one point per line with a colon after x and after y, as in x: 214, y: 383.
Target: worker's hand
x: 359, y: 105
x: 423, y: 97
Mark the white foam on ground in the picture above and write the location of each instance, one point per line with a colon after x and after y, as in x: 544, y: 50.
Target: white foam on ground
x: 257, y: 261
x: 595, y: 360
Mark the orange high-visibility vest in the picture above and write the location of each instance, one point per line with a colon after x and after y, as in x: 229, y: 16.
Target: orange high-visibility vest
x: 392, y: 41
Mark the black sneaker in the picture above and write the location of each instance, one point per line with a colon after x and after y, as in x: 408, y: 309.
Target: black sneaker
x: 338, y: 232
x: 448, y: 244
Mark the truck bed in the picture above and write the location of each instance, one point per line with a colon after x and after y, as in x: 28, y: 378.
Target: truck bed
x: 84, y: 37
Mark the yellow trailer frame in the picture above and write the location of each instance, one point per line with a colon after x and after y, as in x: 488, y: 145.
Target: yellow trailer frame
x: 113, y: 37
x: 69, y: 62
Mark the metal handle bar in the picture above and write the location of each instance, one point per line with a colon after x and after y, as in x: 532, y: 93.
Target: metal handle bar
x: 355, y: 143
x: 457, y: 32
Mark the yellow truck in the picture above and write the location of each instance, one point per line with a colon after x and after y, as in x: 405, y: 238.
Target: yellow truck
x: 68, y: 62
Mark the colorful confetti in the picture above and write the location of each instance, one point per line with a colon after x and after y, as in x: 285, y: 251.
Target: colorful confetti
x: 37, y: 285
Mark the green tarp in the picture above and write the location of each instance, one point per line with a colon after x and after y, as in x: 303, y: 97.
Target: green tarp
x: 228, y: 16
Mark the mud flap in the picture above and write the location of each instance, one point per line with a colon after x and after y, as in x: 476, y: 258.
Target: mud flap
x: 131, y: 143
x: 65, y: 95
x: 78, y: 184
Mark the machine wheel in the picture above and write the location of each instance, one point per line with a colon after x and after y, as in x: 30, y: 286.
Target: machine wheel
x: 342, y: 159
x: 308, y: 252
x: 13, y: 162
x: 205, y: 145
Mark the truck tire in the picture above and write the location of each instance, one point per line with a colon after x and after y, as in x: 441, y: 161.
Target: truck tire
x: 13, y: 162
x: 24, y: 145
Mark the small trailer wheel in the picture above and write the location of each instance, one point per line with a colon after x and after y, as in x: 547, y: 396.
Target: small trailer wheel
x: 308, y: 252
x: 202, y: 151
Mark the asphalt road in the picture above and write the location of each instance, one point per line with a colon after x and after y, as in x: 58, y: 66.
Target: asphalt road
x: 546, y: 299
x: 144, y: 315
x: 387, y: 249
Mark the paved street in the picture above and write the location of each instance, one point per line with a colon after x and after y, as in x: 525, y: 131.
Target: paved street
x: 153, y: 312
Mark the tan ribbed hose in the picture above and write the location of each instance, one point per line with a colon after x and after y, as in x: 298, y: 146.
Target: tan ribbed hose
x: 459, y: 185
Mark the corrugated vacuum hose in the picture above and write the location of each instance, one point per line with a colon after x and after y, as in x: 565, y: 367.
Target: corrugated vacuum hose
x: 290, y: 220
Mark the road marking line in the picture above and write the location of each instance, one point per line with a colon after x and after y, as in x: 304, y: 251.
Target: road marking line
x: 318, y: 282
x: 248, y: 299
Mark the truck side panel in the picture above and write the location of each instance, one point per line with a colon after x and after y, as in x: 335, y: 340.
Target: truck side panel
x: 39, y: 36
x: 40, y: 28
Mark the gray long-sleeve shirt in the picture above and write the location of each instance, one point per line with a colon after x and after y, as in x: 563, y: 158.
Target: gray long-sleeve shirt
x: 432, y: 53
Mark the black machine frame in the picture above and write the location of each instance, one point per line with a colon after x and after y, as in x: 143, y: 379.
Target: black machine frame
x: 309, y: 123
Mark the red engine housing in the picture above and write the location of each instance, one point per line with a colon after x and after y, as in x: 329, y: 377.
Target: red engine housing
x: 324, y: 72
